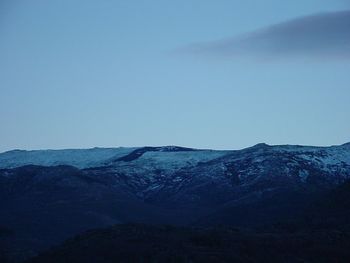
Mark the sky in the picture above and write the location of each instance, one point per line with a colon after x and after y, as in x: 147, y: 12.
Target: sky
x: 223, y: 74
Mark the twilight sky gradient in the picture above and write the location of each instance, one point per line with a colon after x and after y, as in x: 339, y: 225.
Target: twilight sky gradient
x: 209, y: 74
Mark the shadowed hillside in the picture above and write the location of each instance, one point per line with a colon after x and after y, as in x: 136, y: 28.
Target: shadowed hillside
x: 142, y: 243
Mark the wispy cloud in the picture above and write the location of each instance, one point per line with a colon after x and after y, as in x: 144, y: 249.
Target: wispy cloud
x: 325, y: 35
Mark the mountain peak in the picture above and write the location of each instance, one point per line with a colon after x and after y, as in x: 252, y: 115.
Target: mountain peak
x: 261, y: 145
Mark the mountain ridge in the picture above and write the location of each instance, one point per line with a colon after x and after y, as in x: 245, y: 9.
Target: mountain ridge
x: 93, y: 157
x: 175, y: 146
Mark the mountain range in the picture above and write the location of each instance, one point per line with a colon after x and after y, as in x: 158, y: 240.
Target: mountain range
x: 47, y: 196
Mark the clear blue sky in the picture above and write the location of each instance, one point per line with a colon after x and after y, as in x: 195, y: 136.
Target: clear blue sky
x: 86, y: 73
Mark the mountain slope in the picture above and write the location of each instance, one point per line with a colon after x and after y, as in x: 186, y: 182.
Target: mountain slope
x: 81, y: 158
x: 321, y: 234
x: 142, y: 243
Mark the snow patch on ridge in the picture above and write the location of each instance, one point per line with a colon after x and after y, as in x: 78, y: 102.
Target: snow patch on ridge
x: 80, y: 158
x: 176, y: 160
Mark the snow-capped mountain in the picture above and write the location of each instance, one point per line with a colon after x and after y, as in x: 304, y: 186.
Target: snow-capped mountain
x: 64, y: 192
x: 172, y: 158
x: 178, y: 174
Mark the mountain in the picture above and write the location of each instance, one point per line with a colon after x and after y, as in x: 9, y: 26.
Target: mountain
x: 49, y: 196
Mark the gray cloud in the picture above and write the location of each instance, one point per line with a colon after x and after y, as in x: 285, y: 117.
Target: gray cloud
x: 325, y: 35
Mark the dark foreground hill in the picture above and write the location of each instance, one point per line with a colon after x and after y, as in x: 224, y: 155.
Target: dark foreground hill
x: 322, y: 234
x: 142, y: 243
